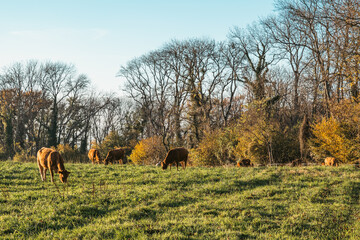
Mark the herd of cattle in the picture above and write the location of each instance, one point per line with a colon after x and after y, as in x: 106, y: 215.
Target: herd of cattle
x: 48, y: 158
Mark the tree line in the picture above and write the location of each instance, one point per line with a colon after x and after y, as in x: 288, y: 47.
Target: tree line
x: 260, y: 94
x: 49, y: 103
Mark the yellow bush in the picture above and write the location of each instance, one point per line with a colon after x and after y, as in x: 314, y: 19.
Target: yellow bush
x: 329, y: 140
x: 23, y: 157
x: 148, y: 151
x: 204, y: 154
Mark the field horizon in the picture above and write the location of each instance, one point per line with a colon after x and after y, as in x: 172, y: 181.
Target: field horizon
x: 145, y: 202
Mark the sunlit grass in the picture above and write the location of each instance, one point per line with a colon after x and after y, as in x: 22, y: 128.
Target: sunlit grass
x: 144, y: 202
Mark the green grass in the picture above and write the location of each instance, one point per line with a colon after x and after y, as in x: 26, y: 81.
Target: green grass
x: 143, y: 202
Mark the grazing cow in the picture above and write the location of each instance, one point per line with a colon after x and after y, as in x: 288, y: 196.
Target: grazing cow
x: 175, y: 155
x: 297, y: 163
x: 94, y: 156
x: 330, y: 161
x: 115, y: 155
x: 48, y: 158
x: 245, y: 163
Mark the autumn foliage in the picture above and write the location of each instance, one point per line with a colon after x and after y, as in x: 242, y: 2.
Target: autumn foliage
x: 284, y: 88
x: 339, y: 135
x: 148, y: 151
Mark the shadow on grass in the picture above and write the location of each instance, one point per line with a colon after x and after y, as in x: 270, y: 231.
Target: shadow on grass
x: 352, y: 190
x: 143, y: 213
x: 177, y: 202
x: 257, y: 182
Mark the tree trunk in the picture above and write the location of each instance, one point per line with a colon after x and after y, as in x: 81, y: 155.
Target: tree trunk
x: 9, y: 140
x: 52, y: 138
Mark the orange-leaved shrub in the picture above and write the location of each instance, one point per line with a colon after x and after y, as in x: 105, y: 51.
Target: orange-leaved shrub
x: 148, y: 151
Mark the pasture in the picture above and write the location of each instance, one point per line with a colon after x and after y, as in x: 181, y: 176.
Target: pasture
x: 145, y: 202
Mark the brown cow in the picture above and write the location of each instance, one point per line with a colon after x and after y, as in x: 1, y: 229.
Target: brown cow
x: 244, y: 163
x: 297, y: 163
x: 48, y: 158
x: 94, y: 156
x: 330, y: 161
x: 115, y: 155
x: 175, y: 155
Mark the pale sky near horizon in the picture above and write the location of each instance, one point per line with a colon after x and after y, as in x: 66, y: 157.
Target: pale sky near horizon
x: 99, y: 36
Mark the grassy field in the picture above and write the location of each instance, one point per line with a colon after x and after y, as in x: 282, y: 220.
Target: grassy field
x: 144, y: 202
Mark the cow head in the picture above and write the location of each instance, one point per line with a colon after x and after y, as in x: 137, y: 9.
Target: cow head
x: 107, y: 160
x: 63, y: 176
x: 163, y: 165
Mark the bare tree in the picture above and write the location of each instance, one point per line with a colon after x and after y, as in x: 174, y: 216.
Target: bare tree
x: 59, y: 81
x: 256, y: 45
x: 23, y: 80
x: 202, y: 68
x: 178, y: 87
x: 148, y: 84
x: 291, y: 42
x: 228, y: 88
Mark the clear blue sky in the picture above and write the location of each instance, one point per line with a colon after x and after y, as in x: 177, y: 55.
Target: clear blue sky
x: 98, y: 36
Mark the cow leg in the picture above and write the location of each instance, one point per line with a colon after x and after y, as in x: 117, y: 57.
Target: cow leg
x: 177, y: 166
x: 41, y: 169
x: 51, y: 171
x: 44, y: 173
x: 52, y: 175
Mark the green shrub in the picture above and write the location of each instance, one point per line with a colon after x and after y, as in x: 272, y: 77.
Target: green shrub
x: 69, y: 154
x: 286, y: 145
x: 3, y: 155
x: 216, y: 149
x: 256, y: 136
x: 111, y: 141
